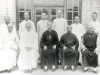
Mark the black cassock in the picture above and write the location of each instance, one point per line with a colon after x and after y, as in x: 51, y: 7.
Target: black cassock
x: 69, y: 56
x: 89, y: 58
x: 49, y: 56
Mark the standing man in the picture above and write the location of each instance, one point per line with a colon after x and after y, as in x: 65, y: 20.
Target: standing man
x: 22, y: 24
x: 3, y: 27
x: 59, y: 25
x: 49, y: 44
x: 96, y: 29
x: 90, y: 53
x: 8, y: 48
x: 79, y: 30
x: 69, y: 44
x: 41, y: 27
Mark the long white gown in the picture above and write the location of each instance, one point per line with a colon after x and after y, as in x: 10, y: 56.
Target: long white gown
x: 96, y: 26
x: 23, y: 28
x: 28, y: 59
x: 41, y: 28
x: 8, y: 55
x: 60, y: 25
x: 79, y: 31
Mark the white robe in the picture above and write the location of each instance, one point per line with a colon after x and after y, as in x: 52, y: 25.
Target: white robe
x: 41, y: 28
x: 28, y: 60
x: 96, y: 26
x: 4, y: 30
x: 23, y: 28
x: 8, y: 54
x: 59, y: 25
x: 79, y: 31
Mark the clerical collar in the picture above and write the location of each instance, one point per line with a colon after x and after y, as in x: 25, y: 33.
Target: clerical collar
x: 49, y: 30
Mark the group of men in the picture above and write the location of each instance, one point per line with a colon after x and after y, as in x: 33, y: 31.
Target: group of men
x: 55, y: 42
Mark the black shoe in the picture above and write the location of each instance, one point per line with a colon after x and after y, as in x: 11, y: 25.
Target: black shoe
x: 79, y: 64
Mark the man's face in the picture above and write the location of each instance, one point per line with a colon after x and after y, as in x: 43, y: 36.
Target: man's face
x: 69, y: 29
x: 28, y: 26
x: 26, y: 16
x: 7, y: 20
x: 10, y: 29
x: 49, y: 25
x: 59, y: 13
x: 94, y: 17
x: 89, y: 29
x: 77, y: 19
x: 43, y: 16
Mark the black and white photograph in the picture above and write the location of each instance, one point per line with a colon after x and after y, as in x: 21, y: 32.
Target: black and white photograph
x: 49, y: 37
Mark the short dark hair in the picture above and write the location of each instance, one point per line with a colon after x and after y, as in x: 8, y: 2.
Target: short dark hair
x: 94, y: 13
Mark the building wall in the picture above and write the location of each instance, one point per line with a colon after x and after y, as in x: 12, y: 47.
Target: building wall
x: 7, y: 8
x: 88, y: 7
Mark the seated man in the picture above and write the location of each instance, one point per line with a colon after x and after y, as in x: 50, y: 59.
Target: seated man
x: 48, y: 44
x: 8, y: 48
x: 28, y: 46
x: 89, y: 54
x: 69, y: 44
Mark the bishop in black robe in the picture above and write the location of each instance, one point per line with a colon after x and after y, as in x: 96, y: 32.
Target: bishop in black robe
x: 49, y: 56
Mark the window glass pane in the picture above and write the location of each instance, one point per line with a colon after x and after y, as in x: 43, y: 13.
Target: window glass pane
x: 21, y: 15
x: 28, y: 6
x: 22, y: 6
x: 44, y: 10
x: 69, y: 22
x: 54, y: 17
x: 38, y: 12
x: 75, y: 14
x: 38, y: 18
x: 30, y: 15
x: 76, y: 7
x: 53, y: 11
x: 69, y: 7
x: 69, y: 15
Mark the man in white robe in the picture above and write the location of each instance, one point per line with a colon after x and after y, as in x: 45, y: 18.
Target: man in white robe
x: 8, y: 48
x: 3, y: 27
x: 28, y: 46
x: 60, y: 25
x: 79, y: 30
x: 22, y: 24
x: 96, y: 28
x: 41, y: 27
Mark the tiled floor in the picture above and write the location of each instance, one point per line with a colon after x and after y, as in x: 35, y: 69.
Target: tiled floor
x: 59, y: 71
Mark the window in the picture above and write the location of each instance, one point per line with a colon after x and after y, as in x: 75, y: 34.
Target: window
x: 49, y: 1
x: 24, y: 5
x: 72, y: 10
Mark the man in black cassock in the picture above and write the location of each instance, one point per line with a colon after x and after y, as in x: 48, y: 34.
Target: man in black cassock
x: 48, y: 44
x: 69, y: 44
x: 89, y: 54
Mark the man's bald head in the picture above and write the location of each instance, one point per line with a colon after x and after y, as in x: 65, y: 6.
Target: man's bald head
x: 77, y: 19
x: 69, y: 29
x: 28, y: 26
x: 10, y: 28
x: 59, y: 13
x: 26, y: 16
x: 7, y: 19
x: 43, y: 16
x: 89, y: 28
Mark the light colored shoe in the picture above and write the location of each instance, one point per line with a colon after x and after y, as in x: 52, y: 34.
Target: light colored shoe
x: 85, y: 69
x: 73, y: 68
x: 94, y: 70
x: 65, y: 68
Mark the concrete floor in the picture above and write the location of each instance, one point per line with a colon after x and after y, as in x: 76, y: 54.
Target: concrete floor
x: 59, y: 71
